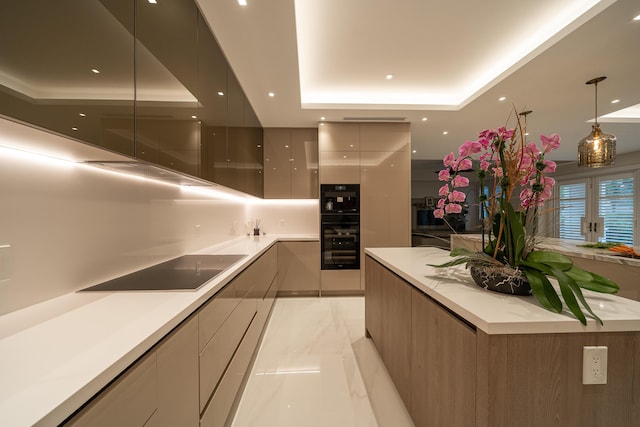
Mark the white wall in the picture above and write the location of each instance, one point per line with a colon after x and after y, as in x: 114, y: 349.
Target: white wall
x: 70, y: 226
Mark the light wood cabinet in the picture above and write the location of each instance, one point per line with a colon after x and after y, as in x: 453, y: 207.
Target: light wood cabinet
x: 443, y: 366
x: 299, y: 268
x: 129, y: 402
x: 290, y: 163
x: 177, y: 367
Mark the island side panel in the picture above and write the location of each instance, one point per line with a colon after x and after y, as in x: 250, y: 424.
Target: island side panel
x: 443, y: 366
x: 533, y: 380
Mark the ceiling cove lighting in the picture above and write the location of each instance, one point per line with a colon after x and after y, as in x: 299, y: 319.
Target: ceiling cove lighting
x: 598, y: 148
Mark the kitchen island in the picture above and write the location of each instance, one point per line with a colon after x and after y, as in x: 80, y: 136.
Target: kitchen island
x: 463, y: 356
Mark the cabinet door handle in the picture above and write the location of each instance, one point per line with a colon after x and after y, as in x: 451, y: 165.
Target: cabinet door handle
x: 590, y: 227
x: 595, y: 227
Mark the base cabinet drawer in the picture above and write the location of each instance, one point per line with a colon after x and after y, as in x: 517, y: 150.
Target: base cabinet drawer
x: 219, y: 411
x: 129, y: 402
x: 216, y: 356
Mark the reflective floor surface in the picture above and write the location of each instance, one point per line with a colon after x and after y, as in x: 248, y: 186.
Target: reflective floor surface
x: 316, y: 368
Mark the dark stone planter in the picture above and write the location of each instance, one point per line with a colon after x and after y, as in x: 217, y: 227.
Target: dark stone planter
x: 504, y: 280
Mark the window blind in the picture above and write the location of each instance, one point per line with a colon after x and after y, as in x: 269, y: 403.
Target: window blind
x: 573, y: 204
x: 617, y: 208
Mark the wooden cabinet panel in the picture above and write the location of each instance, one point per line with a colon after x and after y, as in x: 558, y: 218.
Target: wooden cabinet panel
x: 336, y: 282
x: 339, y: 137
x: 543, y: 372
x: 304, y: 163
x: 290, y: 163
x: 390, y: 137
x: 219, y: 411
x: 216, y: 356
x: 215, y: 312
x: 299, y: 267
x: 129, y: 402
x: 277, y: 173
x: 443, y: 366
x: 339, y: 167
x: 385, y: 200
x: 178, y: 377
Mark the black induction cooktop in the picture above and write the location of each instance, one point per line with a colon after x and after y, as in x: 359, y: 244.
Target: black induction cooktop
x: 185, y: 273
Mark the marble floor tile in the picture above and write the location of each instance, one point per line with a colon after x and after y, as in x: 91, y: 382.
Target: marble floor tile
x: 316, y: 368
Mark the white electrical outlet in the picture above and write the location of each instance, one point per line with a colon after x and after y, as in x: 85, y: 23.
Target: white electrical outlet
x: 594, y: 365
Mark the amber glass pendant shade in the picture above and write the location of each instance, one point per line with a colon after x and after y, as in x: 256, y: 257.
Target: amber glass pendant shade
x: 598, y: 148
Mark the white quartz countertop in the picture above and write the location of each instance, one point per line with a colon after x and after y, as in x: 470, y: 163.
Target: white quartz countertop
x: 571, y: 248
x: 54, y: 356
x: 496, y: 313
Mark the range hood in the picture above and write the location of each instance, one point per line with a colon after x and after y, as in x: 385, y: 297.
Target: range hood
x: 150, y: 171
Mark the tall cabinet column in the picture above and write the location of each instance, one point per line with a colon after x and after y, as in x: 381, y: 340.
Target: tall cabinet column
x: 378, y: 157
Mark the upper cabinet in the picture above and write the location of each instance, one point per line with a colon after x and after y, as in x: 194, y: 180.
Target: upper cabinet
x: 68, y: 66
x: 147, y: 80
x: 291, y: 163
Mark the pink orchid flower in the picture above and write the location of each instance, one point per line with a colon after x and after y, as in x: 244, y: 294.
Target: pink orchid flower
x: 444, y: 175
x: 438, y: 213
x: 457, y: 196
x: 460, y: 181
x: 449, y: 159
x: 550, y: 143
x: 453, y: 208
x: 443, y: 191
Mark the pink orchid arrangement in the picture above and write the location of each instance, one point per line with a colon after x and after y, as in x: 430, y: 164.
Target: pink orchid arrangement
x: 511, y: 165
x: 508, y: 160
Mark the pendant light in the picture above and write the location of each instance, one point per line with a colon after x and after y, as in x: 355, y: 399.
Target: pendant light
x: 599, y: 148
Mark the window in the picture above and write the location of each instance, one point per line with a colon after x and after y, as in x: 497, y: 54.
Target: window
x: 598, y: 209
x: 573, y: 205
x: 616, y: 208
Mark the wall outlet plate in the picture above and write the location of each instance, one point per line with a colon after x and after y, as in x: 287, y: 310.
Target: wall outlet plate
x: 594, y: 365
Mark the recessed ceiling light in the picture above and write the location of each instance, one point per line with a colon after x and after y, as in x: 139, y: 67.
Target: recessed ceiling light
x: 153, y: 1
x: 194, y: 117
x: 344, y: 157
x: 259, y: 146
x: 221, y: 93
x: 95, y: 71
x: 82, y: 115
x: 637, y: 18
x: 272, y: 94
x: 424, y: 119
x: 414, y: 151
x: 74, y: 128
x: 526, y: 134
x: 445, y: 132
x: 389, y: 76
x: 322, y: 118
x: 615, y: 101
x: 242, y: 2
x: 502, y: 98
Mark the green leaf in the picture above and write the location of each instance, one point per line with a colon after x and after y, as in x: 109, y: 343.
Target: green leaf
x: 559, y: 261
x: 593, y: 282
x: 543, y: 290
x: 517, y: 235
x: 571, y: 287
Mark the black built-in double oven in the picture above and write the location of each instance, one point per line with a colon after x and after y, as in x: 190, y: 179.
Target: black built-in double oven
x: 340, y: 226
